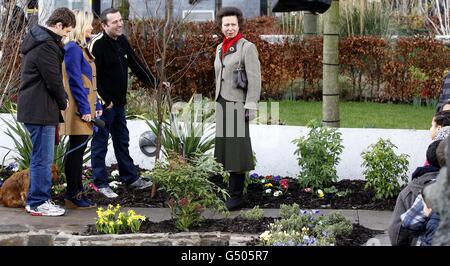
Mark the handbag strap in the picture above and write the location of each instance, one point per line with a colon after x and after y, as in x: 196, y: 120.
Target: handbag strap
x: 242, y: 51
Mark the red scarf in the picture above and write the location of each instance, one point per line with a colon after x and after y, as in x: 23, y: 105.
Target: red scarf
x: 227, y: 43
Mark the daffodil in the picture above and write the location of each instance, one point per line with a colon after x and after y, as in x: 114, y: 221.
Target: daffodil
x: 320, y: 193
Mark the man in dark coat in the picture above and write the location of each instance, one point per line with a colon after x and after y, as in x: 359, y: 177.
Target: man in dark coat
x: 41, y: 97
x: 113, y: 56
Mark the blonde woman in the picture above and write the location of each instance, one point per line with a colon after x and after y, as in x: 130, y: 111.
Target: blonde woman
x: 80, y: 84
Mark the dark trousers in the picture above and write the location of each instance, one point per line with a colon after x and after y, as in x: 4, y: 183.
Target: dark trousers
x: 73, y: 165
x: 116, y: 125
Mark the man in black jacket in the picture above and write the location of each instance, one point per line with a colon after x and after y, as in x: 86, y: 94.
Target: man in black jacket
x: 41, y: 97
x: 113, y: 56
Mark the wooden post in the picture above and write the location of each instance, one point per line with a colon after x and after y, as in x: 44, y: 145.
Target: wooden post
x: 330, y: 108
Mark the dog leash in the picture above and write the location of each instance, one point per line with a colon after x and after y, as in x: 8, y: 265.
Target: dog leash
x: 76, y: 148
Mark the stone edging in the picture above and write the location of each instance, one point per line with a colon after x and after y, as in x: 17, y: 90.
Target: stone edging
x: 48, y: 238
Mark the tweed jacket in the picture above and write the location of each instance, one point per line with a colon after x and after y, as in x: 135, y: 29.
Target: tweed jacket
x: 225, y: 87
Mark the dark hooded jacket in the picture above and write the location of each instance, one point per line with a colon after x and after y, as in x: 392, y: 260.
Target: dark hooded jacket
x: 399, y: 235
x: 41, y: 94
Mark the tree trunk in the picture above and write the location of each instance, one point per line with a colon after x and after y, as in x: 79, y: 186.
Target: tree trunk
x: 169, y: 11
x: 309, y: 24
x: 330, y: 109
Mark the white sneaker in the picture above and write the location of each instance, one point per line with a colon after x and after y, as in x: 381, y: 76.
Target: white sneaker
x: 107, y: 192
x: 47, y: 208
x: 28, y: 208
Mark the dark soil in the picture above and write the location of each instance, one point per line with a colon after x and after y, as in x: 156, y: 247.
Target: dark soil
x: 358, y: 198
x: 359, y: 235
x: 5, y: 173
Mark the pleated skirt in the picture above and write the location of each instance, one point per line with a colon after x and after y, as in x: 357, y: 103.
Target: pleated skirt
x: 233, y: 147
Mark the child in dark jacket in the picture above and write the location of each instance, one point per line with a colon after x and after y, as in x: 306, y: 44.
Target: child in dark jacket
x: 398, y: 234
x: 421, y: 220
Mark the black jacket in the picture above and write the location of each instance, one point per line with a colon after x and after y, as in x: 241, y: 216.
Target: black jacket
x: 444, y: 97
x: 112, y: 59
x: 41, y: 94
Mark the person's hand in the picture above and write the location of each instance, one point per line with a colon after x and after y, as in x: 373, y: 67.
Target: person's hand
x: 426, y: 210
x: 98, y: 113
x: 110, y: 106
x: 250, y: 114
x: 86, y: 118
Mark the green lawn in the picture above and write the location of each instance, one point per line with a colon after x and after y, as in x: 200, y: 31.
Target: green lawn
x: 360, y: 114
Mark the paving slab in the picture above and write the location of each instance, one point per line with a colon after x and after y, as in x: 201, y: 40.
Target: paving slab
x: 377, y: 220
x: 76, y: 221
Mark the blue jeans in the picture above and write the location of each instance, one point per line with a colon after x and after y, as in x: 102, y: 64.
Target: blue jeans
x: 116, y: 125
x: 43, y: 139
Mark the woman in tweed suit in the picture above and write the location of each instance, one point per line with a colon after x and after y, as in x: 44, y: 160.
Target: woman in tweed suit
x: 235, y: 107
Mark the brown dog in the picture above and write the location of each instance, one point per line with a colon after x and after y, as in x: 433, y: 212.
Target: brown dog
x: 13, y: 192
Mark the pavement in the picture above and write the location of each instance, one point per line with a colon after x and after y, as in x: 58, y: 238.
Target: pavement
x: 76, y: 220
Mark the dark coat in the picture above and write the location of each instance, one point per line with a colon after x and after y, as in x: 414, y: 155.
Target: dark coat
x: 397, y: 234
x: 41, y: 94
x: 445, y: 93
x: 113, y: 58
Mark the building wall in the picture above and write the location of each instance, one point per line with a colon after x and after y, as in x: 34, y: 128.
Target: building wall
x: 155, y: 8
x: 139, y: 9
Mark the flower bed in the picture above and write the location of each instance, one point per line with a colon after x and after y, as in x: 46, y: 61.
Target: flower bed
x: 359, y: 235
x: 345, y: 194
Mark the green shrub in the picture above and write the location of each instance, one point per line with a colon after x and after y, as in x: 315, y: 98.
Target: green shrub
x: 191, y: 131
x: 318, y: 155
x: 190, y: 191
x: 383, y: 168
x: 254, y: 214
x: 287, y: 211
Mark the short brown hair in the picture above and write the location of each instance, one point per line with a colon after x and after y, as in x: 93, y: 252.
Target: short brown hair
x: 104, y: 14
x: 230, y: 11
x: 63, y: 15
x: 441, y: 153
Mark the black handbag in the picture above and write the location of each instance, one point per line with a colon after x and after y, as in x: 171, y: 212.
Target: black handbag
x: 240, y: 76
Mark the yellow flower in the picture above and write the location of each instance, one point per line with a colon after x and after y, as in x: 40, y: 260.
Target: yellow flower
x: 268, y: 185
x: 320, y: 193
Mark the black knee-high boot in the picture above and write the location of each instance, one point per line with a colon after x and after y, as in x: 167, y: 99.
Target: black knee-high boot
x: 235, y: 189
